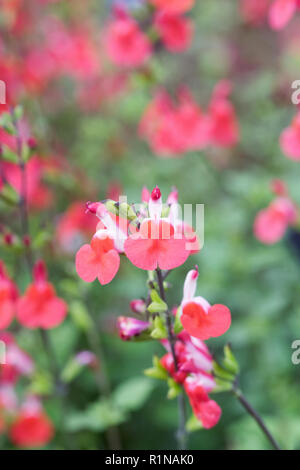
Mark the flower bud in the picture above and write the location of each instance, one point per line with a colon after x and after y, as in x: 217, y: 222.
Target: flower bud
x: 131, y: 327
x: 138, y: 306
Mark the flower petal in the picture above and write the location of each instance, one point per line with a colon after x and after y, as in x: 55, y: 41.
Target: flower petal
x: 109, y: 266
x: 172, y: 253
x: 86, y: 266
x: 281, y: 12
x: 141, y: 252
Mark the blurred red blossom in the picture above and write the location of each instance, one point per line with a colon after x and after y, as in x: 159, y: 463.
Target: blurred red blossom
x: 8, y: 298
x: 126, y: 44
x: 74, y: 227
x: 281, y: 12
x: 175, y: 30
x: 17, y: 362
x: 270, y: 224
x: 31, y: 427
x: 174, y: 129
x: 290, y: 139
x: 39, y: 307
x: 173, y: 6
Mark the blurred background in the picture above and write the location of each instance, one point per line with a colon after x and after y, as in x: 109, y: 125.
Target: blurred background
x: 84, y: 112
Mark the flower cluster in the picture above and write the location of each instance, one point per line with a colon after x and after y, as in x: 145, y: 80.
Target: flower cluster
x: 127, y: 45
x: 278, y: 12
x: 271, y: 223
x: 172, y: 129
x: 149, y: 241
x: 187, y: 361
x: 154, y: 239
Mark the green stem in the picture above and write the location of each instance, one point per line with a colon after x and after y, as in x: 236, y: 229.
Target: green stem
x: 241, y: 398
x: 181, y: 434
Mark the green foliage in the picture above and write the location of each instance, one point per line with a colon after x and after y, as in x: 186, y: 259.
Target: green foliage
x: 128, y: 397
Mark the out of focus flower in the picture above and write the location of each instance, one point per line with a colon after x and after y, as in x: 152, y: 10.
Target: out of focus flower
x: 131, y: 327
x: 255, y: 11
x: 175, y: 30
x: 290, y: 139
x: 87, y: 358
x: 224, y: 125
x: 281, y: 12
x: 138, y: 306
x: 198, y: 317
x: 17, y: 362
x: 114, y: 190
x: 155, y: 245
x: 8, y: 404
x: 271, y: 223
x: 39, y: 307
x: 31, y: 428
x: 38, y: 195
x: 74, y: 227
x: 172, y: 130
x: 126, y: 44
x: 8, y: 298
x: 173, y: 6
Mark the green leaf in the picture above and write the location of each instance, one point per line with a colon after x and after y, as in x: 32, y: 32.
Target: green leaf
x: 174, y: 389
x: 177, y: 324
x: 9, y: 194
x: 71, y: 371
x: 133, y: 393
x: 160, y: 330
x: 157, y: 305
x: 41, y: 384
x: 96, y: 417
x: 222, y: 373
x: 222, y: 386
x: 80, y: 315
x: 157, y: 371
x: 9, y: 155
x: 230, y: 363
x: 193, y: 424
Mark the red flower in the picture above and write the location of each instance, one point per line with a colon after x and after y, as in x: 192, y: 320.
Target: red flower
x: 271, y: 223
x: 224, y: 124
x: 31, y: 429
x: 175, y: 30
x: 126, y: 44
x: 290, y: 139
x: 173, y: 6
x: 206, y: 410
x: 155, y: 244
x: 40, y: 307
x: 255, y: 11
x: 8, y: 297
x: 281, y: 12
x: 17, y: 362
x: 99, y: 260
x: 38, y: 195
x: 198, y: 317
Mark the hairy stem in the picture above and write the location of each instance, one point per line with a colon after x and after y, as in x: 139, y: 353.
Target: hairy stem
x: 239, y: 395
x: 181, y: 434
